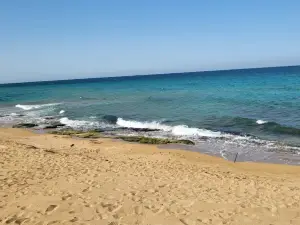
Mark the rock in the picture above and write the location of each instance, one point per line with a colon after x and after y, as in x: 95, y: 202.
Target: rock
x: 138, y: 129
x: 185, y: 142
x: 98, y: 130
x: 77, y: 133
x: 54, y: 125
x: 66, y: 132
x: 203, y: 138
x: 49, y: 117
x: 157, y: 141
x: 24, y: 125
x: 143, y: 129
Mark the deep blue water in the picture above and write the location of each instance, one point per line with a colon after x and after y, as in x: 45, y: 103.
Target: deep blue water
x: 209, y: 103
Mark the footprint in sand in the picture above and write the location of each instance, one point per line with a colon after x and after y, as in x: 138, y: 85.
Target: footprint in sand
x: 10, y: 220
x: 138, y: 210
x: 16, y: 220
x: 67, y: 197
x: 21, y: 220
x: 51, y: 208
x: 75, y: 219
x: 3, y: 147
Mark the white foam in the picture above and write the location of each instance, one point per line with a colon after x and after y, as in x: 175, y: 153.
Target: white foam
x: 29, y: 107
x: 183, y: 130
x: 223, y: 154
x: 180, y: 130
x: 83, y: 124
x: 240, y: 137
x: 61, y: 111
x: 77, y: 123
x: 136, y: 124
x: 261, y: 121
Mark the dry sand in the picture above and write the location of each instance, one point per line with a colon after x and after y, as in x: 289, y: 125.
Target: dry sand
x: 43, y: 180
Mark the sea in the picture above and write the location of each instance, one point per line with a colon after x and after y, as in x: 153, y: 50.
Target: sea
x: 251, y: 114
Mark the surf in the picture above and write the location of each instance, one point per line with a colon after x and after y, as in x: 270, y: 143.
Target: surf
x: 179, y: 130
x: 30, y: 107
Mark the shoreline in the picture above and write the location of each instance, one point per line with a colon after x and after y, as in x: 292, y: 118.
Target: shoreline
x: 145, y: 148
x: 246, y: 147
x: 51, y: 179
x: 211, y: 148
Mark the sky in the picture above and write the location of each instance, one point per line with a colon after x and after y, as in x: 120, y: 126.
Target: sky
x: 66, y: 39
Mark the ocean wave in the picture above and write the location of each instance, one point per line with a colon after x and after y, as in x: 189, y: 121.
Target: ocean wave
x: 261, y: 122
x: 61, y: 111
x: 247, y: 126
x: 136, y: 124
x: 30, y: 107
x: 179, y: 130
x: 238, y: 121
x: 78, y: 123
x: 159, y: 99
x: 110, y: 119
x: 16, y: 114
x: 84, y: 124
x: 278, y: 128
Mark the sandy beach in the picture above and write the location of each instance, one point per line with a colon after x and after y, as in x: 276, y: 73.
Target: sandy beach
x: 48, y: 179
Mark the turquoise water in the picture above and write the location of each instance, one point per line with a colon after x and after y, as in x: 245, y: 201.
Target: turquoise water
x: 260, y: 103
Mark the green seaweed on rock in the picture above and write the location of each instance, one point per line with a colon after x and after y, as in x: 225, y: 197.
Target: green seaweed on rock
x: 157, y: 141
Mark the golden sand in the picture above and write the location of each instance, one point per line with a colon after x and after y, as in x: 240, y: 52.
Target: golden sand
x: 43, y: 180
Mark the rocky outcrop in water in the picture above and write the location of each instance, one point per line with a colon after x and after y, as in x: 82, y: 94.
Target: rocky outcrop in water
x: 25, y: 125
x: 137, y: 129
x: 157, y: 141
x: 54, y: 125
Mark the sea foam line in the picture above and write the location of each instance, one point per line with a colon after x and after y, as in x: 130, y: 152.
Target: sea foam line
x: 78, y: 123
x: 83, y: 124
x: 179, y: 130
x: 29, y: 107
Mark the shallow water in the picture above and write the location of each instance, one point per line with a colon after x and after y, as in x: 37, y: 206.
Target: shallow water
x: 254, y: 109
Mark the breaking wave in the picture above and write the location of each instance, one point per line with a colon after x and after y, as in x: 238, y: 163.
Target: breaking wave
x: 179, y: 130
x: 30, y: 107
x: 79, y: 123
x: 84, y: 124
x: 261, y: 122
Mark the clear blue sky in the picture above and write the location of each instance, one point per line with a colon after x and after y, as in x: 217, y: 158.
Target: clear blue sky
x: 59, y: 39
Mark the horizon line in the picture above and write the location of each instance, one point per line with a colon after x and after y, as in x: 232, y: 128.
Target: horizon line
x: 146, y: 74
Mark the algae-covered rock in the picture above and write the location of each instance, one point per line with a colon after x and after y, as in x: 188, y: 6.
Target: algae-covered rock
x: 65, y: 132
x: 186, y: 142
x: 89, y: 134
x: 24, y: 125
x: 157, y: 141
x: 77, y: 133
x: 54, y: 125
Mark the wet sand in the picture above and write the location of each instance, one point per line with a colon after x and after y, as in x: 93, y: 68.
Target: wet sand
x: 48, y: 179
x: 261, y: 154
